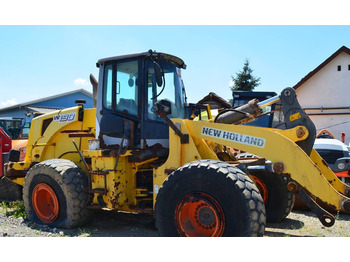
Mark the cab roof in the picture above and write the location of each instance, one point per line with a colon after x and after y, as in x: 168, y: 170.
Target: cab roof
x: 178, y: 61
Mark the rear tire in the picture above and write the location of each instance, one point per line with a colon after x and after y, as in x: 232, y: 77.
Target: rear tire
x: 278, y: 200
x: 55, y: 193
x: 9, y: 191
x: 209, y: 198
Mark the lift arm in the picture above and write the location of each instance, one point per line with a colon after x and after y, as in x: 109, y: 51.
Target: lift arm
x: 289, y: 150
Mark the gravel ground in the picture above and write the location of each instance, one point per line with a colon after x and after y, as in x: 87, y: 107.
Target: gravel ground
x: 306, y: 224
x: 116, y: 224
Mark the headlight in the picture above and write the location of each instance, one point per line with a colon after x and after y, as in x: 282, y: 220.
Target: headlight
x: 341, y: 166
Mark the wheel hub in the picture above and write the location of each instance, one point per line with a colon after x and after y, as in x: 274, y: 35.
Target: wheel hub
x: 199, y: 214
x: 205, y: 217
x: 45, y: 203
x: 262, y: 188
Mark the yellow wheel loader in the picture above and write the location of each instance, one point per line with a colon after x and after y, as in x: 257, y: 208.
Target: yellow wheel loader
x: 142, y: 149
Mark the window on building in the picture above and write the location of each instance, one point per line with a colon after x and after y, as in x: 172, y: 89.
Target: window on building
x: 339, y: 68
x: 349, y: 67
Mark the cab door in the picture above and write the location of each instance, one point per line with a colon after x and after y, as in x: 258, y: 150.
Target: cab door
x: 120, y: 103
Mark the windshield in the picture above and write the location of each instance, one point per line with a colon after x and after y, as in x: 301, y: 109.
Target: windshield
x: 172, y: 91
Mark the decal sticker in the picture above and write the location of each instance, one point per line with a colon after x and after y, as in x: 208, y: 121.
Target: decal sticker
x: 156, y: 189
x: 235, y: 137
x: 294, y: 117
x: 66, y: 118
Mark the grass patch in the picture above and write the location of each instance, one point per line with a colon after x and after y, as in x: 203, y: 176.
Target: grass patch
x: 15, y: 209
x: 84, y: 232
x: 337, y: 216
x: 319, y: 234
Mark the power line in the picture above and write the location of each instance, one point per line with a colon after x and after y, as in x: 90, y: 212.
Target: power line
x: 334, y: 125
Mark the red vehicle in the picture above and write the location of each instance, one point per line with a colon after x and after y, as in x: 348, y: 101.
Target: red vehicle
x: 9, y: 191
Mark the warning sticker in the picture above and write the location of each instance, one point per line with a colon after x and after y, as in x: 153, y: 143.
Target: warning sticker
x: 235, y: 137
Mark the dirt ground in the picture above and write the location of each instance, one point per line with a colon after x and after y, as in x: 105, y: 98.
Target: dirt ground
x: 116, y: 224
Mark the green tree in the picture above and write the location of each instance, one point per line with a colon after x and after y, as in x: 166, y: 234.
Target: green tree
x: 244, y: 80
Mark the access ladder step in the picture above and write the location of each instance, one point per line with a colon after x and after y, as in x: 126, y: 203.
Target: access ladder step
x: 99, y: 190
x: 93, y: 206
x: 99, y: 172
x: 78, y: 133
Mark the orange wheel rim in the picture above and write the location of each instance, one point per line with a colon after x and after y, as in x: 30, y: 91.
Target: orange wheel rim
x: 45, y: 203
x: 262, y: 188
x: 199, y: 214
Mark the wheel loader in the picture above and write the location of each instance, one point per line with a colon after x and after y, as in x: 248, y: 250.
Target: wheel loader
x: 142, y: 149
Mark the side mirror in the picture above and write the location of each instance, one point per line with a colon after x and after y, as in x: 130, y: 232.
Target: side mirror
x: 131, y: 81
x: 158, y: 73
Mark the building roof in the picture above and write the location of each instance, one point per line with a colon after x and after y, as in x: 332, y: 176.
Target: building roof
x: 30, y: 103
x: 212, y: 96
x: 312, y: 73
x: 43, y: 110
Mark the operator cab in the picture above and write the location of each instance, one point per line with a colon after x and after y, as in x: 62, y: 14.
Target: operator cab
x: 128, y: 88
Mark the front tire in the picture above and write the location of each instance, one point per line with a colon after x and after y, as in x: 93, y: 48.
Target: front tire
x: 209, y: 198
x: 55, y: 193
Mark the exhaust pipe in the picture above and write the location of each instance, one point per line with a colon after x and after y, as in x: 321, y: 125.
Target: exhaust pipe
x: 94, y: 84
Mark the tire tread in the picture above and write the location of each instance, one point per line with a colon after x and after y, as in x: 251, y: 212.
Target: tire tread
x: 73, y: 183
x: 235, y: 177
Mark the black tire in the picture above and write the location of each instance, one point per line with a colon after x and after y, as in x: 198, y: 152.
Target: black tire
x: 68, y: 183
x: 279, y: 201
x: 9, y: 191
x: 235, y: 196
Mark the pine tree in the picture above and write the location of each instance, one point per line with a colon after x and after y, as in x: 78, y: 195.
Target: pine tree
x: 244, y: 80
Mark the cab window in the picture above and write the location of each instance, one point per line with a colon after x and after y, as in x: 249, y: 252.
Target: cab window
x: 121, y: 87
x: 172, y: 91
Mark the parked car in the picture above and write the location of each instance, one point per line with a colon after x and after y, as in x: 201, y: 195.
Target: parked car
x: 335, y: 153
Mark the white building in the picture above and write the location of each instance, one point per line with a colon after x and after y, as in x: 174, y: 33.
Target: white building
x: 324, y: 94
